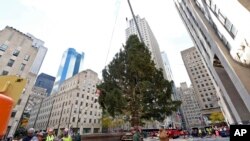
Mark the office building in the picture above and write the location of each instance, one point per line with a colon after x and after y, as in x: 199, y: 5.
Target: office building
x: 202, y: 82
x: 74, y: 106
x: 20, y: 54
x: 221, y: 36
x: 71, y: 64
x: 190, y: 107
x: 40, y: 114
x: 167, y: 67
x: 36, y: 96
x: 45, y: 81
x: 173, y: 120
x: 148, y: 39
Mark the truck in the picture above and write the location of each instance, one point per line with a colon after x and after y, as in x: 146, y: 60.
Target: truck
x: 11, y: 88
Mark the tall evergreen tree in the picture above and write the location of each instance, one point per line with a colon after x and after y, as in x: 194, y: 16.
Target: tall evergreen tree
x: 134, y: 87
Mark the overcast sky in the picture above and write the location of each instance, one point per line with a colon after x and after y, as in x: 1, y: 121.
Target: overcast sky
x: 87, y: 26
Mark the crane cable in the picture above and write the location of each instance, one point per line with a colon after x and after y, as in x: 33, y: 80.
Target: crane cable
x: 112, y: 34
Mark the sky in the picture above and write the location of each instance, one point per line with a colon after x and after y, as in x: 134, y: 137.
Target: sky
x: 97, y: 28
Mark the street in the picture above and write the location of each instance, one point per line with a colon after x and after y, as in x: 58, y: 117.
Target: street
x: 192, y: 139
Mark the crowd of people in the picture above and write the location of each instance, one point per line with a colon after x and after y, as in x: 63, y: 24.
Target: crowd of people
x: 32, y: 135
x: 222, y: 131
x: 165, y: 134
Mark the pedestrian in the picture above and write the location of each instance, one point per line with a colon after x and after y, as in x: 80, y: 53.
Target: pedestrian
x: 10, y: 138
x: 50, y: 136
x: 39, y: 136
x: 77, y: 137
x: 66, y: 136
x: 163, y: 136
x: 136, y: 134
x: 31, y: 135
x: 199, y: 133
x: 217, y: 133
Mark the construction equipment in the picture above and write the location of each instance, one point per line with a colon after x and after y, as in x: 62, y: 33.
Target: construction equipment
x: 11, y: 88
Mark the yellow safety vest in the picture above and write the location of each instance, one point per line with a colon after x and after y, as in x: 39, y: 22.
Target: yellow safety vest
x: 67, y: 138
x: 50, y: 138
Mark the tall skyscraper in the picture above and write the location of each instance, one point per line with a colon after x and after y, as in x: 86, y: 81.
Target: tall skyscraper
x: 45, y: 81
x: 71, y: 64
x: 202, y: 81
x: 167, y: 67
x: 175, y: 119
x: 20, y: 54
x: 221, y: 36
x: 190, y: 106
x: 149, y: 40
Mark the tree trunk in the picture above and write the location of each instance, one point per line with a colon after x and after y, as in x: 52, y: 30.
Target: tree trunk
x: 135, y: 119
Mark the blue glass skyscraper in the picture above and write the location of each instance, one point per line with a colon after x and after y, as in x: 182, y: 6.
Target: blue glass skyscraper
x: 45, y: 81
x: 71, y: 64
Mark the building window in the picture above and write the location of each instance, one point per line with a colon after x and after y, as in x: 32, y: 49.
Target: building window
x: 22, y: 67
x: 19, y: 101
x: 10, y: 63
x: 3, y: 47
x: 73, y: 120
x: 222, y: 18
x: 26, y: 57
x: 5, y: 72
x: 13, y: 114
x: 16, y: 52
x: 228, y: 25
x: 233, y: 31
x: 77, y: 94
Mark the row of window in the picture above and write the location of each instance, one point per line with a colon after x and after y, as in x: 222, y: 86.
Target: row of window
x: 206, y: 94
x: 10, y: 64
x: 194, y: 29
x: 204, y: 89
x: 16, y: 52
x: 222, y: 18
x: 202, y: 85
x: 65, y: 120
x: 210, y: 106
x: 226, y: 23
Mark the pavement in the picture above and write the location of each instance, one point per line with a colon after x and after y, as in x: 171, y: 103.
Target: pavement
x: 191, y: 139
